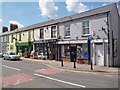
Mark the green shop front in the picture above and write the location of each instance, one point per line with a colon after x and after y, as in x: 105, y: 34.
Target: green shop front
x: 24, y: 48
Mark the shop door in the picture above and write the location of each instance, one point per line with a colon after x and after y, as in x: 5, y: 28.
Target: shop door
x: 99, y: 54
x: 72, y: 50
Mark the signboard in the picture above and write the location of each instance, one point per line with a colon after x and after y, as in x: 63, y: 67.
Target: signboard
x: 72, y: 42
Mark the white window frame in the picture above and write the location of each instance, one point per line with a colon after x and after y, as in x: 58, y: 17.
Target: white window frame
x: 41, y: 37
x: 86, y: 28
x: 54, y: 31
x: 66, y: 30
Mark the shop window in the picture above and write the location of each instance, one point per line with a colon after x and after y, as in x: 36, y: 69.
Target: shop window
x: 41, y: 33
x: 67, y: 51
x: 86, y: 27
x: 53, y: 31
x: 67, y: 30
x: 82, y: 51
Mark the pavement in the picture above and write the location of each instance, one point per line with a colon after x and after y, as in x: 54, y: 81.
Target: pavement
x: 69, y: 66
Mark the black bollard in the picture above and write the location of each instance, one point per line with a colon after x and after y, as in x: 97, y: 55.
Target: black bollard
x: 91, y: 66
x: 74, y: 63
x: 62, y: 62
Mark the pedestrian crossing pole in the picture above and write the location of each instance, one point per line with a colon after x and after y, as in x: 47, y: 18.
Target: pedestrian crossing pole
x: 89, y: 53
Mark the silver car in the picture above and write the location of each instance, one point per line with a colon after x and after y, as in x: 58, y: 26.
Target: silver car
x: 11, y: 56
x: 1, y: 55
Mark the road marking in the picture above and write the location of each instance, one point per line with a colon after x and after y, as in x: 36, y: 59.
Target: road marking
x: 108, y: 75
x: 12, y: 68
x: 59, y: 80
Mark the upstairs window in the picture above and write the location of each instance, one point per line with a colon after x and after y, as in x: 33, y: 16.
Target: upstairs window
x: 12, y: 39
x: 29, y: 35
x: 67, y: 30
x: 8, y: 39
x: 53, y: 31
x: 86, y: 27
x: 41, y: 33
x: 19, y: 36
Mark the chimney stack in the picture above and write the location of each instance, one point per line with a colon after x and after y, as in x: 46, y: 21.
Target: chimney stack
x: 13, y: 27
x: 4, y: 29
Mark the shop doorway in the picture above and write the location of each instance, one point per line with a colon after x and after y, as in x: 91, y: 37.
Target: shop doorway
x: 73, y: 53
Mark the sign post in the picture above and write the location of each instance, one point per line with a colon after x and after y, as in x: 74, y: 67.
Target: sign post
x: 89, y: 52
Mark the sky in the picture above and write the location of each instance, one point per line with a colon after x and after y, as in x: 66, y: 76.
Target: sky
x: 28, y: 13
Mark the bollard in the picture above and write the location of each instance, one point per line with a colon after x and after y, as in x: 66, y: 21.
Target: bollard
x: 74, y: 63
x: 62, y: 62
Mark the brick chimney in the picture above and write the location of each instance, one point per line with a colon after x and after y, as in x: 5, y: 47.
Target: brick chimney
x: 13, y: 27
x: 4, y: 29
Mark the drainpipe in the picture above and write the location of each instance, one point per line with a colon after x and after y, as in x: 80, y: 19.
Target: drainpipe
x: 108, y: 39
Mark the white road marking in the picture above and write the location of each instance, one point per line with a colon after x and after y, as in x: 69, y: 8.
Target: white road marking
x: 59, y: 80
x: 108, y: 75
x: 12, y: 68
x: 17, y: 82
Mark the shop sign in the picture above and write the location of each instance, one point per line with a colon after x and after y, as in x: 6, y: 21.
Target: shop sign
x: 72, y: 42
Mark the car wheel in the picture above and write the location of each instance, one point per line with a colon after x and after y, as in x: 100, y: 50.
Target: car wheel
x: 4, y: 58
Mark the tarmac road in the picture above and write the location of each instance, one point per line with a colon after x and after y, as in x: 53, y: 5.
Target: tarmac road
x: 29, y: 74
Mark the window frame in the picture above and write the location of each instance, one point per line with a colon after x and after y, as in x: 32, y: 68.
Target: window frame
x: 29, y: 35
x: 20, y: 36
x: 41, y: 33
x: 12, y: 38
x: 66, y: 30
x: 53, y: 31
x: 85, y: 27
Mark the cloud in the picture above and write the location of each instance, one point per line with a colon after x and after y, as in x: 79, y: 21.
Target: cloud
x: 48, y: 8
x: 75, y: 6
x: 17, y: 23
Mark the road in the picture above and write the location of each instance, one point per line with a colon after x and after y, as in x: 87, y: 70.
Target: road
x: 28, y: 74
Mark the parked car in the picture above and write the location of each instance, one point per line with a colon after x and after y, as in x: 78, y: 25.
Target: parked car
x: 42, y: 56
x: 1, y: 55
x: 11, y: 56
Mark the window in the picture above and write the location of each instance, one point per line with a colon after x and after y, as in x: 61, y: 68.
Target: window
x: 12, y: 39
x: 67, y: 30
x: 41, y: 33
x: 11, y: 47
x: 8, y: 38
x: 29, y: 35
x: 19, y: 36
x: 67, y: 51
x: 53, y: 31
x: 5, y: 38
x: 86, y: 27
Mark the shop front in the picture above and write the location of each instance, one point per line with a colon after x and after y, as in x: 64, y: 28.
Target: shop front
x: 79, y: 47
x: 47, y: 47
x: 24, y: 49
